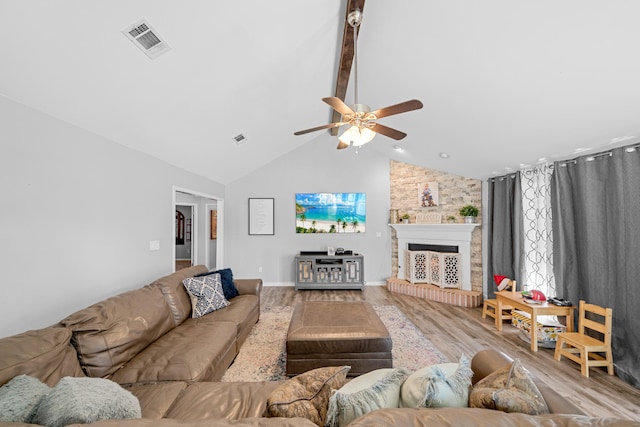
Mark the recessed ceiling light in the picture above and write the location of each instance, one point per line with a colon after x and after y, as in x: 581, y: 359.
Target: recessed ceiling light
x: 397, y: 148
x: 543, y: 160
x: 444, y: 155
x: 580, y: 150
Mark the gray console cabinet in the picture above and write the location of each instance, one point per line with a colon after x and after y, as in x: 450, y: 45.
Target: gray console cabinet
x: 329, y: 272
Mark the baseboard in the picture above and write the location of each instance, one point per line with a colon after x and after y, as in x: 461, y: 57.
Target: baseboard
x: 290, y: 284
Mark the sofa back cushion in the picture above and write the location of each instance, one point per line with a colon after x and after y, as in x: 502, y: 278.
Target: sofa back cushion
x: 45, y: 354
x: 108, y: 334
x: 176, y: 295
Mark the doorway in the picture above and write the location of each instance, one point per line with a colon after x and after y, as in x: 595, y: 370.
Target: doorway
x: 204, y: 242
x: 185, y: 223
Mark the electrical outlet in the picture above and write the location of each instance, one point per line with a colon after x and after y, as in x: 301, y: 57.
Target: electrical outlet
x: 259, y: 269
x: 154, y: 245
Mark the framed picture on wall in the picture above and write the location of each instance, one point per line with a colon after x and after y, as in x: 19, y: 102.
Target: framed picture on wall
x: 331, y: 212
x: 261, y: 218
x: 428, y: 194
x: 214, y: 225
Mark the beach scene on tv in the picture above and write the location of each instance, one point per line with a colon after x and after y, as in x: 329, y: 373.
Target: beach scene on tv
x: 330, y: 212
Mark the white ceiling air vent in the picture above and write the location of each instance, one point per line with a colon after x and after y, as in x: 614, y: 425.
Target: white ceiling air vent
x: 143, y: 35
x: 240, y: 139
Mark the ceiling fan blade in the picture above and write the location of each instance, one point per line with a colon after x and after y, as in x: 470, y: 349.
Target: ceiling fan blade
x: 342, y: 145
x: 329, y: 126
x: 387, y: 131
x: 338, y: 105
x: 403, y: 107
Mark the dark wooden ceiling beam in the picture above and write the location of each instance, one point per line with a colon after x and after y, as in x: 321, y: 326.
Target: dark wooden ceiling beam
x: 346, y: 58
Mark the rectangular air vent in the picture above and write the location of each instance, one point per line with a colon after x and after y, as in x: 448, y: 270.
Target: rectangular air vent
x: 240, y: 139
x: 147, y: 39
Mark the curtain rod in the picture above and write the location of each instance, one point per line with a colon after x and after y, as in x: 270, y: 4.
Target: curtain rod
x: 590, y: 158
x: 628, y: 149
x: 503, y: 177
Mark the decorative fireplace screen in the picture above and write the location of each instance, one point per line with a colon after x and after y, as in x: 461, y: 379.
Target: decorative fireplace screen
x: 437, y: 268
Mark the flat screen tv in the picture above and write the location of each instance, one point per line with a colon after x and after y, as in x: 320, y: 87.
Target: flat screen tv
x: 331, y: 212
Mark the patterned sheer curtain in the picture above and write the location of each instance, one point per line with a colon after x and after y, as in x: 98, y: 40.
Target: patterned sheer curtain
x: 537, y: 268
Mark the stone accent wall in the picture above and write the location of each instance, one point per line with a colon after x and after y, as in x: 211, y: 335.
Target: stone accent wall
x: 454, y: 192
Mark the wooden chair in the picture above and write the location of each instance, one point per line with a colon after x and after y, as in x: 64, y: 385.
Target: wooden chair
x: 584, y: 349
x: 490, y: 306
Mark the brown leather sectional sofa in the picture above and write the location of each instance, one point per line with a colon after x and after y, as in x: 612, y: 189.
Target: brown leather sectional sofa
x: 146, y: 340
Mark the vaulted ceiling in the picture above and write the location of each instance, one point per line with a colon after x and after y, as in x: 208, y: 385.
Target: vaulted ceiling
x: 504, y: 83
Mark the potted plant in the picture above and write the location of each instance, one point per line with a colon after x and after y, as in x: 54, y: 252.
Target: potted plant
x: 469, y: 213
x: 451, y: 219
x: 405, y: 218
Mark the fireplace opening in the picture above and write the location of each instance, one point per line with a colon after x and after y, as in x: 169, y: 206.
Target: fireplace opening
x: 432, y: 248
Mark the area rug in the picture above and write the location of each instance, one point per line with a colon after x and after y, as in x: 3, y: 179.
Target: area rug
x: 262, y: 356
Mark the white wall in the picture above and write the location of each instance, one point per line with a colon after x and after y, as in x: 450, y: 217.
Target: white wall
x: 77, y: 213
x: 314, y: 167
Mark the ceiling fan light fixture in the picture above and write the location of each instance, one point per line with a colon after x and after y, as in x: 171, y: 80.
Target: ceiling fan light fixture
x: 357, y: 136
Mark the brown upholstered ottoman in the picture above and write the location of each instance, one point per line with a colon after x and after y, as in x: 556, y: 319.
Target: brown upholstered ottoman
x: 337, y: 333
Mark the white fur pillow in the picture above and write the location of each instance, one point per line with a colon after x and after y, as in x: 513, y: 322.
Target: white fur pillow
x: 86, y: 400
x: 20, y: 397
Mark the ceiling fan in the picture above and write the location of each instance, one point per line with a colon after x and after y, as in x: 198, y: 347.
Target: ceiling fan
x: 362, y: 121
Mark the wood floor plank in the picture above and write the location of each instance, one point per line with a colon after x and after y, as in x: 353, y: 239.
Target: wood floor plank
x: 456, y: 330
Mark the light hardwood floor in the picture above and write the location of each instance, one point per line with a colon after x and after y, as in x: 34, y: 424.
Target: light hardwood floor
x: 456, y: 330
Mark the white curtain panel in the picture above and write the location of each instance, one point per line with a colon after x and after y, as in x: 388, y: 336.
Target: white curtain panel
x: 538, y: 232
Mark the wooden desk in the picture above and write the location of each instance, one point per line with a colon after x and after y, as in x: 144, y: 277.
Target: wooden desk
x: 545, y: 309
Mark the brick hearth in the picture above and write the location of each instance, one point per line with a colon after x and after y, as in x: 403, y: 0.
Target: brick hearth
x: 435, y: 293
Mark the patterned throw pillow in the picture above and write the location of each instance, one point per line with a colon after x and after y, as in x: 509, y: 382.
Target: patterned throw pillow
x: 438, y: 386
x: 226, y: 277
x: 206, y: 294
x: 377, y: 389
x: 509, y: 389
x: 307, y: 395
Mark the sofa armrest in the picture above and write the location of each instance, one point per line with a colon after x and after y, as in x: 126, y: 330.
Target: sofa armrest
x: 248, y: 286
x: 556, y: 403
x: 486, y: 362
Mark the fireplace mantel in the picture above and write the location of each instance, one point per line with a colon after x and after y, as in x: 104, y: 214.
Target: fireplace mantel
x: 438, y: 234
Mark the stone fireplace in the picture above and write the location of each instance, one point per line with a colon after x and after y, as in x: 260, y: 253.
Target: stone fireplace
x: 446, y: 236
